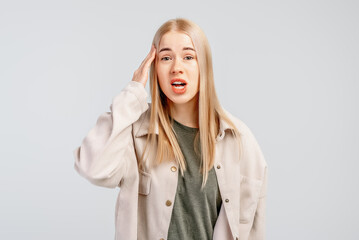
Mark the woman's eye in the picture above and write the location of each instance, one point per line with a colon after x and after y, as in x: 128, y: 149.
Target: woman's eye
x: 165, y: 58
x: 189, y: 57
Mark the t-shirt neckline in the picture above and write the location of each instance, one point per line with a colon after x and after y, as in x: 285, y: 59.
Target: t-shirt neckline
x: 184, y: 127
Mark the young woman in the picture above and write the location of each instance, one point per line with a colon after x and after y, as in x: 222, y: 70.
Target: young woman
x: 186, y: 168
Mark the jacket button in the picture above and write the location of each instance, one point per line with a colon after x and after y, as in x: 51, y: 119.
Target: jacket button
x: 227, y: 200
x: 173, y: 168
x: 218, y: 166
x: 164, y: 239
x: 168, y: 203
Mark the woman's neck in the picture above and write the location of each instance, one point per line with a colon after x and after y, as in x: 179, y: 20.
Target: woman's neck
x: 186, y: 113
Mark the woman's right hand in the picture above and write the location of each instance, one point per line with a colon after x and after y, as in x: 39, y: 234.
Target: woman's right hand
x: 141, y: 74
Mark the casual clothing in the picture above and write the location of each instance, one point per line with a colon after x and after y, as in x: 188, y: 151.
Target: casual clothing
x: 108, y: 157
x: 195, y: 212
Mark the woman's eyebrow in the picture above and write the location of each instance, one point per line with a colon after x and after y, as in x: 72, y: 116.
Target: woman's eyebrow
x: 169, y: 49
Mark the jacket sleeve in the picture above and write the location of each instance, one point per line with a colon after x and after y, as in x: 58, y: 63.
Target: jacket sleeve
x: 257, y: 231
x: 103, y: 155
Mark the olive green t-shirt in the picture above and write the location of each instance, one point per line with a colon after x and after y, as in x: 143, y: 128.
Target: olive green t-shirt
x: 195, y: 212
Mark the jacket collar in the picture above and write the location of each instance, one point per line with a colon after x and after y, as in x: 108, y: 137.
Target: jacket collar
x: 143, y: 130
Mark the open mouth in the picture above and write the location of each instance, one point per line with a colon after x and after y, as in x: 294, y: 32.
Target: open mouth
x: 178, y: 85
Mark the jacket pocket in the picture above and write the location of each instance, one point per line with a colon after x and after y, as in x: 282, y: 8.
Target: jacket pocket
x: 144, y: 185
x: 249, y: 196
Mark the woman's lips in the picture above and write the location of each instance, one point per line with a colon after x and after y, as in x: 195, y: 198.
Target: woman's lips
x: 178, y: 80
x: 179, y: 88
x: 179, y: 85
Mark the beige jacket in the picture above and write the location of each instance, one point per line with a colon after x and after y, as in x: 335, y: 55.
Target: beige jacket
x: 108, y: 157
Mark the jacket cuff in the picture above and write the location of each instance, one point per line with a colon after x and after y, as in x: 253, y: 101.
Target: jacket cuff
x: 139, y: 91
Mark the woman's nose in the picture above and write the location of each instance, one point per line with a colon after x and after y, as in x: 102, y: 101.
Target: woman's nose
x: 176, y: 67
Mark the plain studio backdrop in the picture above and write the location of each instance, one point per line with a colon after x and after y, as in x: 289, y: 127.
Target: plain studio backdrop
x: 288, y: 69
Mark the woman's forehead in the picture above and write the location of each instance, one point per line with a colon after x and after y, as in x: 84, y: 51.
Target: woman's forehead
x: 175, y: 39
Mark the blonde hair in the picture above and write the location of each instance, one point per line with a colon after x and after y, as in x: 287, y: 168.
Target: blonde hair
x: 209, y: 107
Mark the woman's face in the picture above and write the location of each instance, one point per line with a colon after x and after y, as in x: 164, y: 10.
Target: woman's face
x: 177, y: 64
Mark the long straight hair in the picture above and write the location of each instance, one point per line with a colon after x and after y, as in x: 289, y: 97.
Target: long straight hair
x: 210, y: 110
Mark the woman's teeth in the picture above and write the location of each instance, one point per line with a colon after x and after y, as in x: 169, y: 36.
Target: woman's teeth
x: 176, y: 83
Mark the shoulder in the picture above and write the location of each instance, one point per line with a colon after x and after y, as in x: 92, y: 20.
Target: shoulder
x: 240, y: 124
x: 253, y: 163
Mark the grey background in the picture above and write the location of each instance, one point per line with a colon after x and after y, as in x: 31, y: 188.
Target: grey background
x: 288, y: 69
